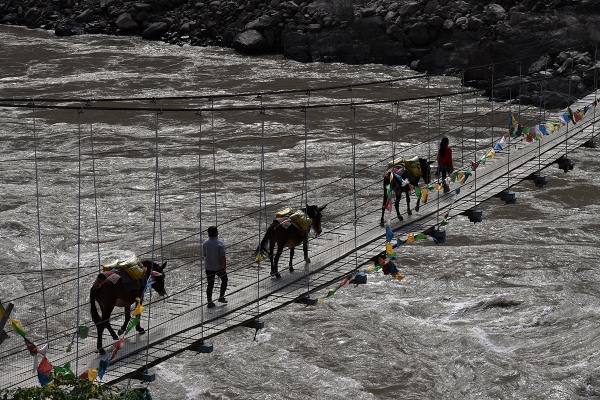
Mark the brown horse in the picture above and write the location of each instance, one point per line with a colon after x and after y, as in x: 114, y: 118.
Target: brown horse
x: 285, y: 233
x: 400, y: 179
x: 110, y: 295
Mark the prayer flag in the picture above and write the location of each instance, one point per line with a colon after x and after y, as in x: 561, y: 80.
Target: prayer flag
x: 43, y: 371
x: 103, y: 367
x: 398, y: 276
x: 388, y: 248
x: 17, y: 327
x: 424, y: 195
x: 65, y: 371
x: 132, y: 322
x: 388, y: 204
x: 33, y: 350
x: 417, y: 191
x: 389, y: 234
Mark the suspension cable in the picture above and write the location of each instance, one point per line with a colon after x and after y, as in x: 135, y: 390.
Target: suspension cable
x: 353, y: 111
x: 260, y: 198
x: 95, y: 198
x: 39, y: 225
x: 79, y: 113
x: 156, y: 211
x: 201, y: 242
x: 212, y: 129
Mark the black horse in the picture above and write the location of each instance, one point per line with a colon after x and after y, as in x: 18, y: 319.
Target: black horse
x: 399, y: 186
x: 110, y: 294
x: 285, y: 233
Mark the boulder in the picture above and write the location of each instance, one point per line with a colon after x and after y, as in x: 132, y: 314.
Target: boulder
x: 155, y: 31
x: 68, y: 27
x: 251, y: 41
x: 126, y: 22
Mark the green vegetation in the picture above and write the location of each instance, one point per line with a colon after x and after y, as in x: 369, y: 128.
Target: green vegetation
x: 76, y: 388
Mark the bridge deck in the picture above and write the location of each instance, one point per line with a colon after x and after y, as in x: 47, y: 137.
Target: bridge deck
x: 181, y: 320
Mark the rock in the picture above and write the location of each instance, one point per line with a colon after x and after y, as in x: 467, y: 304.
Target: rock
x: 86, y: 15
x: 126, y: 22
x: 68, y: 27
x: 251, y: 42
x: 155, y: 31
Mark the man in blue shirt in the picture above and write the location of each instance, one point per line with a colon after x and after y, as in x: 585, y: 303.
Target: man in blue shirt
x: 215, y: 264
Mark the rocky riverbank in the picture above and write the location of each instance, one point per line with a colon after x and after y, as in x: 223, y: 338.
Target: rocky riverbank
x: 521, y: 38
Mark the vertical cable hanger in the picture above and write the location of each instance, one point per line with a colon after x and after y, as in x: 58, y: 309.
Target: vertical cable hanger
x: 79, y: 113
x: 95, y: 198
x: 212, y: 129
x: 200, y: 240
x: 353, y: 111
x: 39, y: 225
x: 260, y: 197
x: 156, y: 216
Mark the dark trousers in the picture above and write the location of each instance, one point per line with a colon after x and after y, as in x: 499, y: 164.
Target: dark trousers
x: 210, y: 278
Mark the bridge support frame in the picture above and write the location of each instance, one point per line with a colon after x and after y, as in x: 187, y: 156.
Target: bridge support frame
x: 539, y: 180
x: 145, y: 376
x: 592, y: 144
x: 202, y: 347
x: 565, y: 164
x: 473, y: 215
x: 507, y: 196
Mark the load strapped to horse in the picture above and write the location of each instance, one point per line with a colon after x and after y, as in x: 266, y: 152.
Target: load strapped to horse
x: 120, y: 284
x: 289, y: 230
x: 403, y: 175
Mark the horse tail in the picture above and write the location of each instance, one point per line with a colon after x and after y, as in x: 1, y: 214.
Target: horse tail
x: 263, y: 248
x: 94, y: 311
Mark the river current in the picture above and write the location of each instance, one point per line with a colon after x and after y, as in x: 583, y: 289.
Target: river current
x: 506, y: 309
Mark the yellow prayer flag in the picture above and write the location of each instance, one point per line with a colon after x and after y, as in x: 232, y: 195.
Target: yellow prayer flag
x: 398, y: 276
x: 139, y: 308
x: 388, y: 248
x: 92, y: 374
x: 491, y: 153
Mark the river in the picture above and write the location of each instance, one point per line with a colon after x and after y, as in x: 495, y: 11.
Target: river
x: 506, y: 309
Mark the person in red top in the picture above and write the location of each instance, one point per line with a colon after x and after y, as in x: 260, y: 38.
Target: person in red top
x: 444, y: 159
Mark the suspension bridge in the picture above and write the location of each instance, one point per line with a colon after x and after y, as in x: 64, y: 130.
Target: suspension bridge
x: 325, y: 145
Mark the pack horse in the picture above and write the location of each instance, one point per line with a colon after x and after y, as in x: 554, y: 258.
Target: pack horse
x: 118, y: 285
x: 401, y: 177
x: 289, y: 230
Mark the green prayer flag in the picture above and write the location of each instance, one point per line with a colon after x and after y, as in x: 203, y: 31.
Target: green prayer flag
x: 132, y: 322
x: 17, y: 327
x: 82, y: 331
x: 444, y: 222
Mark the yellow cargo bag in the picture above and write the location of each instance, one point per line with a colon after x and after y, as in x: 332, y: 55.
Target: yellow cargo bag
x: 301, y: 219
x: 397, y: 161
x: 413, y: 166
x: 283, y: 213
x: 131, y: 266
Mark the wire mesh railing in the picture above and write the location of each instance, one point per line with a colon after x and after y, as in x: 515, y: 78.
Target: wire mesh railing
x: 127, y: 143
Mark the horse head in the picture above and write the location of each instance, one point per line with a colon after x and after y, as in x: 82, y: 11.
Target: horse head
x: 315, y: 214
x: 425, y: 169
x: 157, y: 275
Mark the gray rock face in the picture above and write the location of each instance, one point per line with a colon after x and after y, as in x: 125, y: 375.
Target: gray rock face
x: 435, y: 36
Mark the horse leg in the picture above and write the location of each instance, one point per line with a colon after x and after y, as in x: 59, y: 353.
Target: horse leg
x: 408, y: 210
x: 397, y: 205
x: 274, y: 269
x: 418, y: 198
x: 385, y: 199
x: 291, y: 258
x: 107, y: 322
x: 274, y: 260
